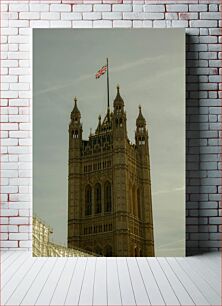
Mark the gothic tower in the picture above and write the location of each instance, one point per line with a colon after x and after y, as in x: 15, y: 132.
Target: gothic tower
x: 74, y: 186
x: 109, y: 198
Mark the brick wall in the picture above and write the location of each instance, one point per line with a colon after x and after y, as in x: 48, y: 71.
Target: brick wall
x: 201, y: 18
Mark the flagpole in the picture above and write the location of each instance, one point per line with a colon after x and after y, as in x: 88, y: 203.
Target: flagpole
x: 107, y: 63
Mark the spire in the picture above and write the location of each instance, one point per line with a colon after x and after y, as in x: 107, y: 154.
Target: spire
x: 75, y: 106
x: 75, y: 114
x: 118, y: 100
x: 99, y: 124
x: 140, y: 119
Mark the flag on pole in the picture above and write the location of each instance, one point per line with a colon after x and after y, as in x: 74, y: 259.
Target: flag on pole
x: 101, y: 72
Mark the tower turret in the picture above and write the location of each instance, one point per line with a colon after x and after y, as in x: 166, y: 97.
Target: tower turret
x: 119, y: 117
x: 141, y: 135
x: 75, y: 126
x: 75, y: 147
x: 98, y: 129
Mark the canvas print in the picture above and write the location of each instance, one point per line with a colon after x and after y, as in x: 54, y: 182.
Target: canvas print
x: 109, y: 142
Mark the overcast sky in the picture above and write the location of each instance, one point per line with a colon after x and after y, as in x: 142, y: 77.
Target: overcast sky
x: 149, y: 65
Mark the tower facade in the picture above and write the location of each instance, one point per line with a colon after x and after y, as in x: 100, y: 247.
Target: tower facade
x: 109, y: 196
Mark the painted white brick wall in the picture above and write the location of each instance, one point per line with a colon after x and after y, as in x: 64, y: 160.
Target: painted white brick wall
x: 201, y: 18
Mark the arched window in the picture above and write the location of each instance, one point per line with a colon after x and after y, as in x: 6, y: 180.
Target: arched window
x: 108, y: 197
x: 88, y: 200
x: 138, y: 203
x: 134, y: 200
x: 98, y: 207
x: 76, y: 134
x: 130, y: 204
x: 108, y: 251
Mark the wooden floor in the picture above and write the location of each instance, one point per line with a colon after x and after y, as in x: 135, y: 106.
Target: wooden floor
x: 110, y: 281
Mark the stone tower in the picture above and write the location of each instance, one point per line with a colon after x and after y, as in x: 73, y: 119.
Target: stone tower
x: 109, y: 197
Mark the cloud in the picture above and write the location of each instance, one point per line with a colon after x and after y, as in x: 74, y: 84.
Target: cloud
x: 165, y: 73
x: 182, y: 188
x: 173, y: 248
x: 92, y: 75
x: 139, y: 62
x: 62, y: 86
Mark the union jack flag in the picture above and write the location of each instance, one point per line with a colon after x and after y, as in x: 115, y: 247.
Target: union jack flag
x: 101, y: 72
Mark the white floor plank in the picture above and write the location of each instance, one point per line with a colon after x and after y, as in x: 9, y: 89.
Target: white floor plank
x: 126, y: 289
x: 86, y: 294
x: 47, y: 291
x: 112, y: 281
x: 180, y: 291
x: 9, y: 287
x: 18, y: 294
x: 63, y: 284
x: 150, y: 282
x: 4, y: 255
x: 113, y: 286
x: 37, y: 285
x: 139, y: 288
x: 214, y: 280
x: 100, y: 283
x: 13, y: 269
x: 190, y: 286
x: 164, y: 285
x: 213, y: 258
x: 10, y: 261
x: 74, y: 289
x: 212, y: 261
x: 208, y: 292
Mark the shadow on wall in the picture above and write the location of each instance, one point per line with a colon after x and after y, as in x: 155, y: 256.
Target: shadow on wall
x: 192, y: 147
x: 197, y: 227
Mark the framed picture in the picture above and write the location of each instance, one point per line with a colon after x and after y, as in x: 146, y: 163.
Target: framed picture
x: 109, y: 142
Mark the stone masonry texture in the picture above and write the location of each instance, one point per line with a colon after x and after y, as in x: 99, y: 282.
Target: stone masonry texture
x: 202, y: 22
